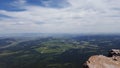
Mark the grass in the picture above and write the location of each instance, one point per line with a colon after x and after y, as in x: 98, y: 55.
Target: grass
x: 8, y: 53
x: 56, y: 46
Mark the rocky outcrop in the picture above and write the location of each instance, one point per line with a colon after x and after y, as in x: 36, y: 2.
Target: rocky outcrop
x: 100, y: 61
x: 114, y: 52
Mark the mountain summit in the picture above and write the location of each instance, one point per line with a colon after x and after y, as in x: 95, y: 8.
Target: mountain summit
x: 100, y: 61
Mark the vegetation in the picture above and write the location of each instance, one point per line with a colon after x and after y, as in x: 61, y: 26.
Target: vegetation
x: 52, y: 52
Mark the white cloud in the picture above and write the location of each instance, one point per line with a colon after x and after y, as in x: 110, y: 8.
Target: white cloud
x: 83, y: 16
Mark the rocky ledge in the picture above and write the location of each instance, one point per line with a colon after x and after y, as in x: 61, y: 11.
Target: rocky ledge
x: 100, y: 61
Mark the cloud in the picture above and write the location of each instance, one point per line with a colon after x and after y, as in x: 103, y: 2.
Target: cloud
x: 54, y: 3
x: 65, y: 16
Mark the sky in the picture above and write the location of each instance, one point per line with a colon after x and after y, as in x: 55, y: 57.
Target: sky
x: 59, y: 16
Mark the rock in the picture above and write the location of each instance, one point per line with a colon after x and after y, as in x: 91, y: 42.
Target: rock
x: 100, y: 61
x: 114, y: 52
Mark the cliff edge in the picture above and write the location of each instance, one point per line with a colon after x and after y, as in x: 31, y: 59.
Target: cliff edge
x: 100, y: 61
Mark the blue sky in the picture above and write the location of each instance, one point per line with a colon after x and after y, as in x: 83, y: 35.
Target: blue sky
x: 59, y: 16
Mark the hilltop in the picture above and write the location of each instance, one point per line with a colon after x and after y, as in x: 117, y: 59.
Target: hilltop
x: 100, y: 61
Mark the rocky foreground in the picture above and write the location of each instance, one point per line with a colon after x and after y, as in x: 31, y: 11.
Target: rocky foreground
x: 100, y: 61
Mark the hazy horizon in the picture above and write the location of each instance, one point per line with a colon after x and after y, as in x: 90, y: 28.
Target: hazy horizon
x: 60, y: 16
x: 56, y: 34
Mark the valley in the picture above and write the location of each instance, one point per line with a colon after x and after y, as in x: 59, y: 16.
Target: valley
x: 54, y: 52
